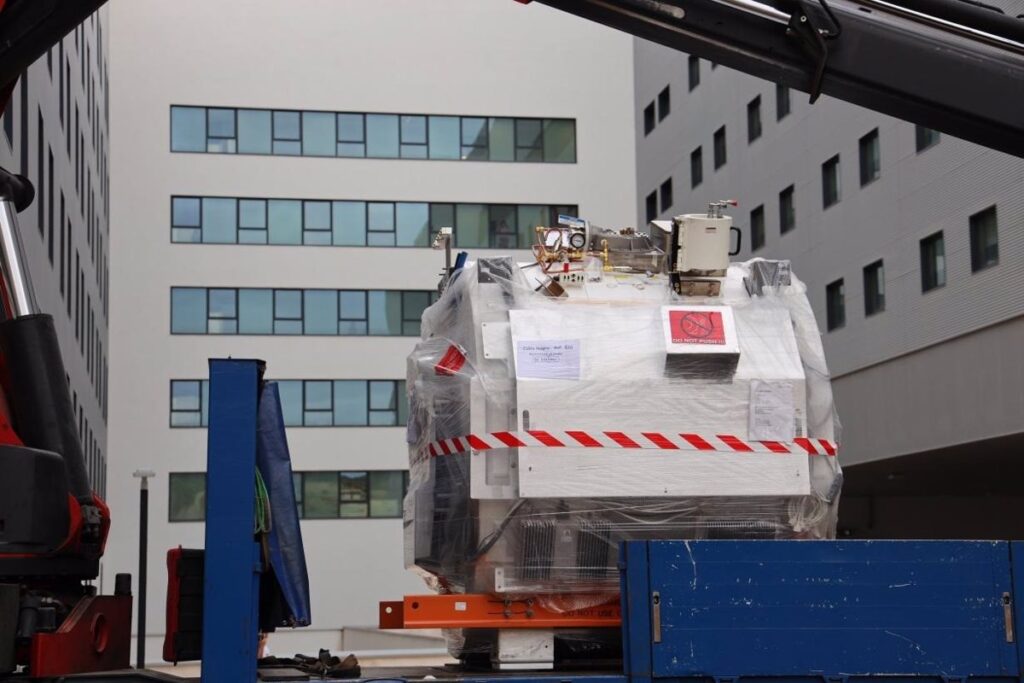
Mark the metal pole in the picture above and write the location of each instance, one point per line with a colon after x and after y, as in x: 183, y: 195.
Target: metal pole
x: 14, y: 277
x: 140, y: 641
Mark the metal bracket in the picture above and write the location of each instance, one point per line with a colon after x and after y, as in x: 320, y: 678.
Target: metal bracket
x: 812, y: 41
x: 1008, y: 616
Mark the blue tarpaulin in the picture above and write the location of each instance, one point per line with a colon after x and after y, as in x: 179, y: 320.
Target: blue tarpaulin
x: 287, y: 555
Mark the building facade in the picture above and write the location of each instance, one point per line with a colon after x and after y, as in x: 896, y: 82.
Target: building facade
x: 911, y: 244
x: 55, y: 132
x: 279, y: 173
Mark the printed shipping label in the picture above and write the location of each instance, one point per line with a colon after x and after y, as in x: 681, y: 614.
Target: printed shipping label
x: 548, y: 359
x: 772, y: 413
x: 696, y: 327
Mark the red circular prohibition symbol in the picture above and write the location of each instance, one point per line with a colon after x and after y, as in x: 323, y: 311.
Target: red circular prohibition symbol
x: 696, y: 325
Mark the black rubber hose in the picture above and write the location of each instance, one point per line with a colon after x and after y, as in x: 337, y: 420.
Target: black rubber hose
x: 38, y: 394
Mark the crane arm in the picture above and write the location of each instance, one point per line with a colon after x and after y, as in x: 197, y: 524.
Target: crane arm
x: 950, y: 65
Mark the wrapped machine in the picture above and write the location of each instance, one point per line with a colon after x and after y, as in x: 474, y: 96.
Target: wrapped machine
x: 621, y: 386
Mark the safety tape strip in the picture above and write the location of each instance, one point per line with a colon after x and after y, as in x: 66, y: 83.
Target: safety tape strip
x: 536, y: 438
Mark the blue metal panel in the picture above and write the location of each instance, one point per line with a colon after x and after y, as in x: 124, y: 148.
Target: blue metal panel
x: 829, y: 608
x: 634, y: 579
x: 1017, y: 595
x: 232, y: 565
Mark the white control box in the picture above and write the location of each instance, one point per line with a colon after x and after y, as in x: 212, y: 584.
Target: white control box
x: 703, y: 242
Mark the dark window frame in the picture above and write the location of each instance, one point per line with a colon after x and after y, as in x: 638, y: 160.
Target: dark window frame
x: 933, y: 248
x: 758, y: 230
x: 696, y: 167
x: 869, y: 154
x: 984, y: 256
x: 874, y: 288
x: 721, y: 151
x: 783, y: 101
x: 755, y: 126
x: 835, y: 305
x: 665, y: 198
x: 649, y: 119
x: 664, y: 103
x: 831, y: 198
x: 787, y: 219
x: 693, y: 72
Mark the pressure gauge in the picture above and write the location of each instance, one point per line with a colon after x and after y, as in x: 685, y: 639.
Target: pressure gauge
x: 577, y: 240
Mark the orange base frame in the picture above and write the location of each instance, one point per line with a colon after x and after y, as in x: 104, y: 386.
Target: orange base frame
x: 493, y: 611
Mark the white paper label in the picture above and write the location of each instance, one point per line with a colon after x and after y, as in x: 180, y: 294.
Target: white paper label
x: 548, y: 359
x: 772, y: 413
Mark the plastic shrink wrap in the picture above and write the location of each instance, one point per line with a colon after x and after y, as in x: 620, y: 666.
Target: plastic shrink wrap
x: 548, y: 422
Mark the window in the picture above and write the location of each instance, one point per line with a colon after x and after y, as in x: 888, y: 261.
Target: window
x: 925, y: 138
x: 664, y: 103
x: 307, y: 403
x: 693, y: 71
x: 830, y: 182
x: 782, y: 102
x: 198, y: 310
x: 649, y: 118
x: 651, y: 207
x: 874, y: 288
x: 870, y: 162
x: 375, y: 494
x: 696, y: 167
x: 235, y: 220
x: 187, y: 499
x: 666, y: 195
x: 754, y: 119
x: 720, y: 157
x: 757, y: 236
x: 984, y: 239
x: 219, y: 130
x: 835, y: 305
x: 933, y: 262
x: 787, y: 210
x: 189, y: 403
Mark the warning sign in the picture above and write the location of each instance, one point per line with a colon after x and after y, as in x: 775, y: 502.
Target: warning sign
x: 696, y: 327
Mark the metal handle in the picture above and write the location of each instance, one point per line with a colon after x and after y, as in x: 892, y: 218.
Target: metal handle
x: 1008, y: 616
x: 656, y: 617
x: 739, y: 240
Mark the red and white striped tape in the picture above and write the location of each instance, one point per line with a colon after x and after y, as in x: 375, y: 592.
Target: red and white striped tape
x: 535, y: 438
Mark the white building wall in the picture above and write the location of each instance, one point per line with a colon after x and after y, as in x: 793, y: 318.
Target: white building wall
x: 466, y: 57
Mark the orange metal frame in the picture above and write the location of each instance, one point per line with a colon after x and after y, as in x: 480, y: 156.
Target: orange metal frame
x: 493, y: 611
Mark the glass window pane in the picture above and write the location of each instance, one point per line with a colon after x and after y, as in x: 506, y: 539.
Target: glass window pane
x: 255, y: 311
x: 185, y: 419
x: 559, y: 141
x: 529, y: 217
x: 502, y: 138
x: 349, y: 223
x: 350, y: 128
x: 318, y: 395
x: 318, y: 134
x: 222, y: 303
x: 188, y: 129
x: 206, y: 402
x: 385, y: 309
x: 220, y: 123
x: 353, y: 494
x: 291, y: 401
x: 414, y: 129
x: 252, y: 213
x: 252, y: 236
x: 381, y: 135
x: 185, y: 212
x: 528, y: 140
x: 471, y: 225
x: 219, y: 220
x: 185, y: 395
x: 444, y: 137
x: 288, y: 304
x: 382, y: 395
x: 286, y: 125
x: 503, y: 226
x: 403, y: 404
x: 351, y: 149
x: 320, y: 495
x: 188, y: 310
x: 412, y: 221
x: 317, y: 215
x: 386, y: 494
x: 187, y: 496
x: 285, y: 219
x: 187, y: 235
x: 253, y: 131
x: 381, y: 216
x: 321, y: 311
x: 350, y: 403
x: 441, y: 216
